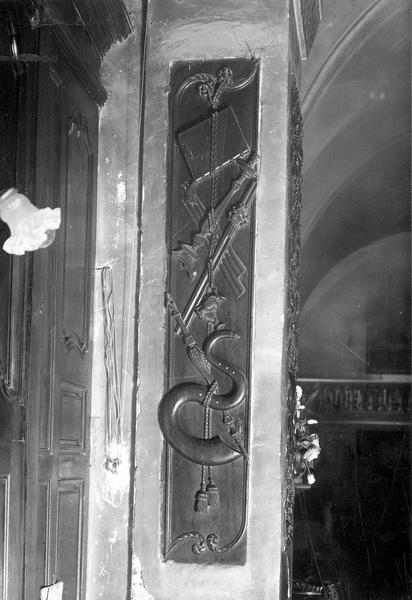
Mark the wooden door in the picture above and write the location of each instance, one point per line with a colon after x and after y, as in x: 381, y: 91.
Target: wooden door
x: 16, y: 127
x: 60, y: 353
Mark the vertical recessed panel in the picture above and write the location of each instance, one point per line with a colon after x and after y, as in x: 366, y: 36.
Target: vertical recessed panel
x: 69, y: 535
x: 43, y: 532
x: 4, y: 532
x: 76, y: 227
x: 72, y: 416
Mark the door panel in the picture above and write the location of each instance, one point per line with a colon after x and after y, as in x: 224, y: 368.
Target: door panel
x: 14, y: 135
x: 70, y: 536
x: 60, y: 359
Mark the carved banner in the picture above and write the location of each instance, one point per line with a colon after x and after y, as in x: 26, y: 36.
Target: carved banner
x: 204, y: 414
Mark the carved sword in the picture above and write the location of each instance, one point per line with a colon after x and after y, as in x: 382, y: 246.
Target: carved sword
x: 238, y: 218
x: 187, y: 255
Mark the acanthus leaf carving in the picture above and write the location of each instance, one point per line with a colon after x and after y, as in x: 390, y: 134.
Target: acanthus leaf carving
x: 77, y: 126
x: 294, y: 248
x: 73, y: 341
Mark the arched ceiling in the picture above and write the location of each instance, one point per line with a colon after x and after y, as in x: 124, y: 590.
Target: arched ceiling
x: 356, y: 205
x: 355, y: 91
x: 355, y: 319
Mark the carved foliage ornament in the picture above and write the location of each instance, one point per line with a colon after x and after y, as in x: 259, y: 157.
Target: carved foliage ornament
x: 292, y: 313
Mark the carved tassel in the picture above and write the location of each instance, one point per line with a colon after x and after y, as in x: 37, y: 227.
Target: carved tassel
x: 213, y: 497
x: 201, y: 500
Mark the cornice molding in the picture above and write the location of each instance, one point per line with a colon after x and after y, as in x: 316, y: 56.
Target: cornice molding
x: 84, y: 30
x: 107, y: 21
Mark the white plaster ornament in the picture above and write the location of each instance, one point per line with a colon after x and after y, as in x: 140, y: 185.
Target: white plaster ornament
x: 31, y: 228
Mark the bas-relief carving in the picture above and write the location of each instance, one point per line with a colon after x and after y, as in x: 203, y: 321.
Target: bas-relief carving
x: 72, y: 341
x: 292, y: 313
x: 213, y: 172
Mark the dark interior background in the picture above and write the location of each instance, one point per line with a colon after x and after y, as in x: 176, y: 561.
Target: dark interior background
x: 353, y: 525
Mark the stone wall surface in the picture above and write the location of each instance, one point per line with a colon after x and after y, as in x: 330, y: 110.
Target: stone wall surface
x: 116, y: 247
x: 183, y: 30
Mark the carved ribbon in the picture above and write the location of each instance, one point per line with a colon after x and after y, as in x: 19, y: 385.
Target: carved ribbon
x: 222, y: 448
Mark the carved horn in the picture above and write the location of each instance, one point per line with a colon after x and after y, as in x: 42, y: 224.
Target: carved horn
x: 238, y: 392
x: 212, y: 451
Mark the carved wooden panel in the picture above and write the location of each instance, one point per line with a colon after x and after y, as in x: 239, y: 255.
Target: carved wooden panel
x: 73, y: 416
x: 77, y: 246
x: 69, y: 536
x: 4, y: 533
x: 204, y: 415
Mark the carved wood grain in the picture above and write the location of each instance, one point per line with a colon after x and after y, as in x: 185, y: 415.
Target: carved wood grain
x: 292, y: 315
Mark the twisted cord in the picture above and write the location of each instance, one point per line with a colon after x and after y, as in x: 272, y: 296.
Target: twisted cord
x: 213, y: 195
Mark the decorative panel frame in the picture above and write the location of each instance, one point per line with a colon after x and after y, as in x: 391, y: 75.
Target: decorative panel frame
x: 73, y: 394
x: 70, y: 497
x: 80, y: 159
x: 204, y: 414
x: 44, y: 520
